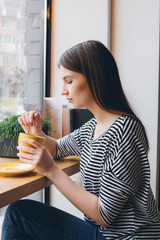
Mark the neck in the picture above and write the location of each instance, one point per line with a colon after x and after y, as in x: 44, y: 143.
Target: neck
x: 103, y: 116
x: 104, y: 120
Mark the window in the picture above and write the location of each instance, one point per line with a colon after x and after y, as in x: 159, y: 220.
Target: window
x: 23, y: 49
x: 22, y: 54
x: 5, y: 23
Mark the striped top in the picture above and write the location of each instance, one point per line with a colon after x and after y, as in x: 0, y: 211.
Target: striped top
x: 115, y: 168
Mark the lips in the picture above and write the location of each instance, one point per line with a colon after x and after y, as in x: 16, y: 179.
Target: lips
x: 69, y: 99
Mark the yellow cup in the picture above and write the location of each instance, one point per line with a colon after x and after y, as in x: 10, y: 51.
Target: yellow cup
x: 39, y: 139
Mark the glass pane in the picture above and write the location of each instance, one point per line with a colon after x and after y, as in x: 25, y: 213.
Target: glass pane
x: 21, y: 55
x: 22, y: 58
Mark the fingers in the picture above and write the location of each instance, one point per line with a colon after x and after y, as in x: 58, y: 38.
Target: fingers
x: 27, y: 156
x: 34, y: 145
x: 32, y: 116
x: 29, y: 153
x: 25, y: 149
x: 32, y: 142
x: 27, y: 161
x: 28, y: 118
x: 38, y: 156
x: 32, y: 155
x: 24, y: 120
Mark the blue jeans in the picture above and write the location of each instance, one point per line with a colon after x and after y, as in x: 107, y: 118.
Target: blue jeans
x: 31, y: 220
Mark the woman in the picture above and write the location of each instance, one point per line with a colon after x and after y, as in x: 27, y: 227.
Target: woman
x: 116, y: 197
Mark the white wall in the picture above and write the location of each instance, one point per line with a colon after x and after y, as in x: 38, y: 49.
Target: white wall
x: 76, y: 21
x: 135, y: 46
x: 134, y: 43
x: 59, y: 201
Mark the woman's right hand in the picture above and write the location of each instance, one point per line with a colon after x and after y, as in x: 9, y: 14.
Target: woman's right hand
x: 34, y: 118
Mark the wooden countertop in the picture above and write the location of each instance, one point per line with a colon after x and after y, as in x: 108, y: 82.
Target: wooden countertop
x: 17, y: 187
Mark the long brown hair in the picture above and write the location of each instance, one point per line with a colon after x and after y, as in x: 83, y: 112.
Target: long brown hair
x: 96, y: 63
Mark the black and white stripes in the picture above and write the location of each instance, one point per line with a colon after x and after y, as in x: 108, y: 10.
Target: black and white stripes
x: 115, y: 168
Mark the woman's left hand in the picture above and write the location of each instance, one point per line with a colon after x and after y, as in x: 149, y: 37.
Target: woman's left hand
x: 38, y: 156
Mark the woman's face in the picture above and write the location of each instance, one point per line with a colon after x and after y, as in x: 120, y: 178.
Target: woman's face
x: 76, y: 89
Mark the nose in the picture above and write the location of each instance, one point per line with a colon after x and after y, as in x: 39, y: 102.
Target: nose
x: 64, y: 92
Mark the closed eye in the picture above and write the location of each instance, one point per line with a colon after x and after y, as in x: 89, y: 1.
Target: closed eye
x: 68, y: 79
x: 69, y: 82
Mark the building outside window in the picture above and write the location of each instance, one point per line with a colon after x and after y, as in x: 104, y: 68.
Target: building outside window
x: 22, y: 59
x: 5, y: 23
x: 22, y: 69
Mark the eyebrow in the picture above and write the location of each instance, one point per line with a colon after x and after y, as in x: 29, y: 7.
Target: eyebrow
x: 67, y: 76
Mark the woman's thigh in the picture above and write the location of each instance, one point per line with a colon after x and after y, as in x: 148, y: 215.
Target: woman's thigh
x: 27, y: 219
